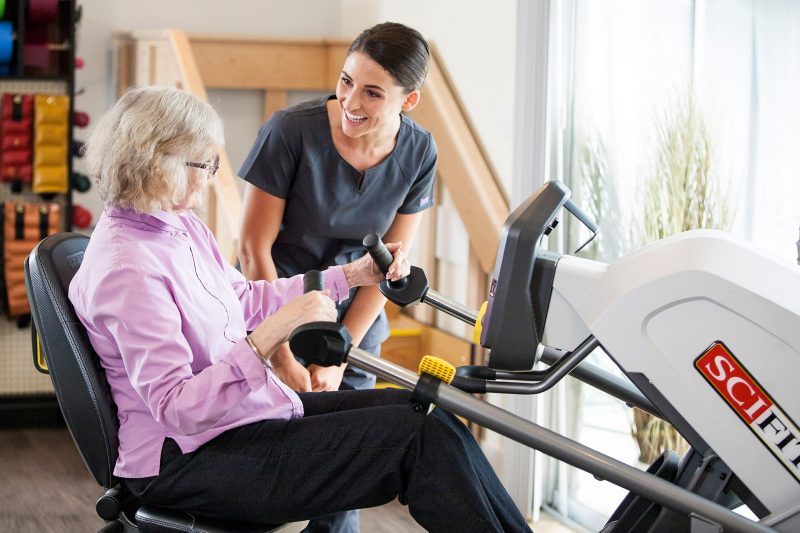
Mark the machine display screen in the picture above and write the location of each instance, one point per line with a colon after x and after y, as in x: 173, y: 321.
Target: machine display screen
x: 511, y: 327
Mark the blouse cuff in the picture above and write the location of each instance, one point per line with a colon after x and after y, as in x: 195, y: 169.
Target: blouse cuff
x: 336, y: 281
x: 249, y: 364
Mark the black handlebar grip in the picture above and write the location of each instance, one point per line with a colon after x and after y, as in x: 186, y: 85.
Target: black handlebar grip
x: 380, y: 254
x: 312, y: 281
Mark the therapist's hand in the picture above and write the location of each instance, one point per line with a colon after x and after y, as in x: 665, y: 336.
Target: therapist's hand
x: 326, y: 378
x: 288, y: 370
x: 364, y: 271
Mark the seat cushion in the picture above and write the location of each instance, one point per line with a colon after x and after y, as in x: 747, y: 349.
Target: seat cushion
x: 158, y: 520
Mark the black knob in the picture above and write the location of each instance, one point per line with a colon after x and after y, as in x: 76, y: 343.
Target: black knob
x: 312, y: 281
x: 380, y: 254
x: 78, y: 148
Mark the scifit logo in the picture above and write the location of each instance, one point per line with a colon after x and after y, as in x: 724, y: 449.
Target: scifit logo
x: 751, y: 402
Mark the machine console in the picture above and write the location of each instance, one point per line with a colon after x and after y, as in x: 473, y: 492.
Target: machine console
x: 519, y: 289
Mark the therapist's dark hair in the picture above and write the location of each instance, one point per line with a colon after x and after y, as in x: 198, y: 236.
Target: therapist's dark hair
x: 400, y: 50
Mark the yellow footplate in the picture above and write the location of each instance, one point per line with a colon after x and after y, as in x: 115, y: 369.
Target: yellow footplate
x: 438, y: 368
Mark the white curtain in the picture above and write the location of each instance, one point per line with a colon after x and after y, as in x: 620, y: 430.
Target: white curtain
x: 772, y: 191
x: 635, y: 60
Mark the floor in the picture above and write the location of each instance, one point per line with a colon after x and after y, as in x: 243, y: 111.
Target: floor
x: 46, y: 488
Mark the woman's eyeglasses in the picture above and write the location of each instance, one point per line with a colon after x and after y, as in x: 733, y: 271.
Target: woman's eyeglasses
x: 211, y: 167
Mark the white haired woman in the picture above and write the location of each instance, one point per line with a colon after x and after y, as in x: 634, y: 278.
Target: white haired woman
x: 205, y: 425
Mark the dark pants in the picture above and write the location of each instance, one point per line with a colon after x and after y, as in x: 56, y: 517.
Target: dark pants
x: 353, y: 449
x: 346, y: 521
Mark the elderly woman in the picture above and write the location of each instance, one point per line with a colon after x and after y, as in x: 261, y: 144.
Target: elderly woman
x: 205, y: 425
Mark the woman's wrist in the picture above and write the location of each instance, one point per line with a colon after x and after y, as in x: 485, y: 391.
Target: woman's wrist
x: 350, y: 275
x: 263, y: 340
x: 354, y: 273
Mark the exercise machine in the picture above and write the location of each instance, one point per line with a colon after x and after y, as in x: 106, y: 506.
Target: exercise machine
x: 705, y: 327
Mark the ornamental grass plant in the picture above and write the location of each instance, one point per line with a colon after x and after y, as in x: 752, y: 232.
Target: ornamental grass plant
x: 682, y: 192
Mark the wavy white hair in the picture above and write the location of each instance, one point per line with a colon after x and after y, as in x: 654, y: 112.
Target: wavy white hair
x: 138, y: 150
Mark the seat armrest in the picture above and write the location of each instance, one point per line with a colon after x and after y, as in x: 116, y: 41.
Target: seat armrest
x: 111, y: 504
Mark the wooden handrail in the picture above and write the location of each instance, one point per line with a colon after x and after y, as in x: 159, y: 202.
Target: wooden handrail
x: 225, y: 209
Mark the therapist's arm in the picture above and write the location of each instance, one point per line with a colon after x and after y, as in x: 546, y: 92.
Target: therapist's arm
x: 367, y: 304
x: 262, y: 214
x: 261, y: 220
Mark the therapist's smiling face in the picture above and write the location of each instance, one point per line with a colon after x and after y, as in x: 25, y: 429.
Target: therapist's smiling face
x: 370, y: 98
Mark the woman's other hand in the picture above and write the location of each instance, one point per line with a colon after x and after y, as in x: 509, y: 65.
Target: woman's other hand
x: 364, y: 271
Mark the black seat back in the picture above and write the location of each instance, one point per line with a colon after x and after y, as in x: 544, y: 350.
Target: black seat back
x: 78, y: 379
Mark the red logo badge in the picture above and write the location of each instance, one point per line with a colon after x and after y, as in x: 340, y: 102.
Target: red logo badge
x: 753, y: 404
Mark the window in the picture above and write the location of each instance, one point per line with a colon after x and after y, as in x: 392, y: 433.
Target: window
x: 632, y: 73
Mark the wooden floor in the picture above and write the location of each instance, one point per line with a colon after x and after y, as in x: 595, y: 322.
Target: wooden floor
x: 45, y: 487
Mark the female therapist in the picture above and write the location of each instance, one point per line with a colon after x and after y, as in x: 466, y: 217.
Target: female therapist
x: 324, y: 173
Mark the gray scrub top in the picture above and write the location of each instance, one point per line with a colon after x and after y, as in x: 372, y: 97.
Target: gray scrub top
x: 330, y: 206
